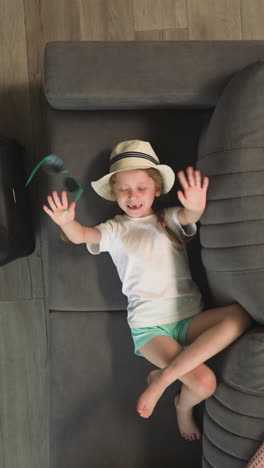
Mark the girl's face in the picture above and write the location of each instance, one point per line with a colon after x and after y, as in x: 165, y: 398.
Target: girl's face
x: 135, y: 192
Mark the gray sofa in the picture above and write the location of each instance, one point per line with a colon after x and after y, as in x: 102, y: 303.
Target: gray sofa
x: 99, y: 93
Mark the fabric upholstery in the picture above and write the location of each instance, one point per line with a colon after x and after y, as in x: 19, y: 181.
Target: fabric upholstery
x: 142, y: 75
x: 95, y: 382
x: 234, y: 145
x: 231, y: 153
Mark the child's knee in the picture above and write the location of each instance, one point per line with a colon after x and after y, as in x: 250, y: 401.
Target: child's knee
x: 242, y: 317
x: 205, y: 381
x: 208, y: 383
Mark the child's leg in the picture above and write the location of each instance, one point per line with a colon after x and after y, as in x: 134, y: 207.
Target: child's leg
x: 197, y: 385
x: 209, y: 333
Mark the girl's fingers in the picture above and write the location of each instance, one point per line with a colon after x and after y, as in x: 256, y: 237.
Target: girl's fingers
x: 64, y: 199
x: 190, y: 176
x: 197, y: 176
x: 56, y: 199
x: 205, y: 183
x: 51, y: 203
x: 47, y: 210
x: 181, y: 196
x: 72, y: 206
x: 183, y: 180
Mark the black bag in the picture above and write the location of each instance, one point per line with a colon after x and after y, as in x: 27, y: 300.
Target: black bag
x: 16, y: 230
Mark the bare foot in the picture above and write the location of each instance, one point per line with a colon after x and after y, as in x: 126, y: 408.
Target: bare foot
x: 147, y: 401
x: 186, y: 422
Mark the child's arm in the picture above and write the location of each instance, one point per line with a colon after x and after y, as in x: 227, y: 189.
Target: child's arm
x: 79, y: 234
x: 194, y: 197
x: 63, y: 215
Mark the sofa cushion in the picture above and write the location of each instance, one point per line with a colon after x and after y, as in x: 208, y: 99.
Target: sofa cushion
x: 231, y: 153
x: 95, y: 381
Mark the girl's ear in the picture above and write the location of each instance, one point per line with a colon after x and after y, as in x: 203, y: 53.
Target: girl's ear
x: 158, y: 191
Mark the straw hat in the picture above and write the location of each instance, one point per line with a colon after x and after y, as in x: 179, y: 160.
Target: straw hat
x: 133, y: 154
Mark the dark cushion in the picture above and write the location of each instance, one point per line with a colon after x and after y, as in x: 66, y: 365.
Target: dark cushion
x: 231, y: 234
x: 231, y: 153
x: 86, y: 75
x: 95, y: 381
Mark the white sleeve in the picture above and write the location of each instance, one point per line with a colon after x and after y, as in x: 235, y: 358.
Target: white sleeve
x: 108, y: 233
x: 187, y: 231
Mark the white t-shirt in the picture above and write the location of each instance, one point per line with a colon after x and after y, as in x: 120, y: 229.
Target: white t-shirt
x: 156, y: 276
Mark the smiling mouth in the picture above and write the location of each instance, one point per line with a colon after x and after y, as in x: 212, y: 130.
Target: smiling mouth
x: 134, y: 207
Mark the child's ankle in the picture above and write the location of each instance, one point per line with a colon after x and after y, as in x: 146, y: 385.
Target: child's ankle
x: 166, y: 377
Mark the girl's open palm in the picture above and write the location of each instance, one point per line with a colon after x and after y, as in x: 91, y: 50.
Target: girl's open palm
x: 60, y: 212
x: 193, y: 196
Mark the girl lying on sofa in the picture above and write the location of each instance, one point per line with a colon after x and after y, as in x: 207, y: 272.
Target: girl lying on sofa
x: 168, y: 324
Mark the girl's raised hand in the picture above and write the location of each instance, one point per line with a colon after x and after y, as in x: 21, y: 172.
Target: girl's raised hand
x: 60, y: 212
x: 194, y: 196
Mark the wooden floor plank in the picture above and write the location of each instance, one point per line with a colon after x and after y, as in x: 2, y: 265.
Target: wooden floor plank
x: 214, y: 19
x: 15, y: 117
x: 151, y: 15
x: 23, y: 384
x: 1, y: 449
x: 106, y: 20
x: 176, y: 34
x: 252, y: 13
x: 166, y: 35
x: 149, y: 35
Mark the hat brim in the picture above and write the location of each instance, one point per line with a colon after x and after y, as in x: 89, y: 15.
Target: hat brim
x: 102, y: 186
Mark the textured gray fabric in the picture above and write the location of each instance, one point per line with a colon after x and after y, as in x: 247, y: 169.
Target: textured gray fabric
x: 227, y: 441
x: 236, y: 423
x: 241, y: 286
x: 205, y: 463
x: 216, y: 457
x: 242, y: 403
x: 95, y: 382
x: 142, y: 74
x: 236, y: 127
x: 231, y: 153
x: 242, y: 366
x: 237, y: 120
x: 230, y: 235
x: 233, y: 422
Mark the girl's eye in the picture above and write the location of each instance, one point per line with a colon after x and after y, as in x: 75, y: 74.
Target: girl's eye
x: 141, y: 189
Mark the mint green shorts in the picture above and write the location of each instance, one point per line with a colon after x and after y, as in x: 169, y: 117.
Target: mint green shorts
x: 176, y: 330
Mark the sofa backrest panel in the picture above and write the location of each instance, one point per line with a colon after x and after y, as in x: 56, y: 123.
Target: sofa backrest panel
x: 142, y: 74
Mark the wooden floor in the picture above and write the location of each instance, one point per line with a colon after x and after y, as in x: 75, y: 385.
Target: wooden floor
x: 25, y: 27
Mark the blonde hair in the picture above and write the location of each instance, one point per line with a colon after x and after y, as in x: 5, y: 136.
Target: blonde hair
x: 155, y: 175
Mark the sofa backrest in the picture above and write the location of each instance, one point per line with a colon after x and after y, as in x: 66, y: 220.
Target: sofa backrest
x: 91, y: 75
